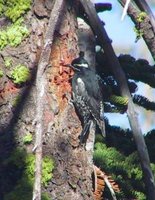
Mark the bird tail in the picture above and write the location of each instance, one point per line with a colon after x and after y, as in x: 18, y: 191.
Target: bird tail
x: 85, y: 132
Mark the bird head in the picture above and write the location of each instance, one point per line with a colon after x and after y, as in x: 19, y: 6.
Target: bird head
x: 79, y: 63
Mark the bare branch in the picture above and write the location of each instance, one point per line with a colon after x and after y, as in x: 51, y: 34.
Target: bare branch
x: 145, y: 26
x: 114, y: 64
x: 143, y: 6
x: 40, y: 97
x: 125, y: 9
x: 106, y: 180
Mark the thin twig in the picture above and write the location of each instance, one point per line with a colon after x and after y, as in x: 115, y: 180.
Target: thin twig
x: 107, y: 182
x: 40, y: 96
x: 125, y: 9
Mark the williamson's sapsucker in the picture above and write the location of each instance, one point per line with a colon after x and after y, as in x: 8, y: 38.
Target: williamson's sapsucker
x: 87, y: 96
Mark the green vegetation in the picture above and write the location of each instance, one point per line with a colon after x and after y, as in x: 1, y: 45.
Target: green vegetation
x: 20, y: 74
x: 1, y: 73
x: 119, y: 100
x: 141, y: 17
x: 19, y: 162
x: 1, y: 7
x: 47, y: 168
x: 16, y: 100
x: 13, y: 9
x: 16, y: 8
x: 117, y: 156
x: 139, y: 33
x: 14, y: 34
x: 137, y: 30
x: 124, y: 170
x: 27, y: 139
x: 8, y: 62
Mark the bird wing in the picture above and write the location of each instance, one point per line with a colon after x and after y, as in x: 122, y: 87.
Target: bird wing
x: 93, y: 101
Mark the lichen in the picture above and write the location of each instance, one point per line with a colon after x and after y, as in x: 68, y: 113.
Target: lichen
x: 139, y: 33
x: 20, y: 74
x: 141, y: 17
x: 27, y: 139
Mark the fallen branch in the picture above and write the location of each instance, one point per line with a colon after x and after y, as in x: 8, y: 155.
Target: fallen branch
x: 101, y: 180
x: 40, y: 96
x: 116, y: 69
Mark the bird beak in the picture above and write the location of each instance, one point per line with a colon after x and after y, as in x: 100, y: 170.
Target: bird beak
x: 71, y: 66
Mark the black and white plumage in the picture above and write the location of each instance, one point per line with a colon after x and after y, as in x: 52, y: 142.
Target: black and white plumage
x: 87, y: 95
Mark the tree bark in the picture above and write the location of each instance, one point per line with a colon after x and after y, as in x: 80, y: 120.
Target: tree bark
x: 121, y: 79
x: 73, y: 169
x: 143, y: 6
x: 145, y: 27
x: 41, y: 85
x: 60, y: 124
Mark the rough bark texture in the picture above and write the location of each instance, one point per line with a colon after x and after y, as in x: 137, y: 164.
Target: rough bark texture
x: 72, y: 173
x: 121, y: 79
x: 143, y: 6
x: 41, y: 85
x: 145, y: 27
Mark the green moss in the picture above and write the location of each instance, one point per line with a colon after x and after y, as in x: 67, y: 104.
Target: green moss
x: 47, y: 168
x: 2, y: 3
x: 8, y: 62
x: 16, y: 8
x: 3, y: 39
x: 26, y: 163
x: 29, y: 168
x: 14, y: 34
x: 20, y: 74
x: 45, y: 197
x: 16, y: 100
x: 27, y: 139
x: 1, y: 73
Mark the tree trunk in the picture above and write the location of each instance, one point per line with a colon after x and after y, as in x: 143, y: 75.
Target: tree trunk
x: 72, y: 174
x: 61, y: 126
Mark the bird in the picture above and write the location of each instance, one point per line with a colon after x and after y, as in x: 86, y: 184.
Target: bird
x: 87, y: 96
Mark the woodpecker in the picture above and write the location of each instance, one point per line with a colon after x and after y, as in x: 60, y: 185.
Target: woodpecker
x: 87, y: 95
